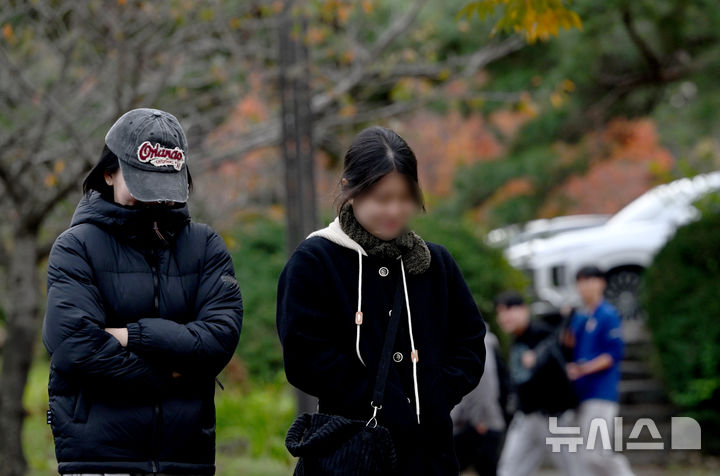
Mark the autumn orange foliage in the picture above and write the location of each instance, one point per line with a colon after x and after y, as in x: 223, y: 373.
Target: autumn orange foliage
x: 626, y: 159
x: 444, y: 142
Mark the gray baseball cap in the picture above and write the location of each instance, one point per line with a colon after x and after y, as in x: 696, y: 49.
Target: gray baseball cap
x: 152, y: 151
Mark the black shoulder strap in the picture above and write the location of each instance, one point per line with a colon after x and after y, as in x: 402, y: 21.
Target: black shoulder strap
x: 388, y: 344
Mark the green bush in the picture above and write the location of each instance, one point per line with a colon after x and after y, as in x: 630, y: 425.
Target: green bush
x: 253, y: 423
x: 681, y: 297
x: 484, y: 268
x: 257, y: 246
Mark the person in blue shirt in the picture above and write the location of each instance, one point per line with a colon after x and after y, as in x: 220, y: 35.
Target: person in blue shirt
x: 595, y: 336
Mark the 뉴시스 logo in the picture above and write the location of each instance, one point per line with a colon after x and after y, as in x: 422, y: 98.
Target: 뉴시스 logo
x: 160, y: 156
x: 685, y: 434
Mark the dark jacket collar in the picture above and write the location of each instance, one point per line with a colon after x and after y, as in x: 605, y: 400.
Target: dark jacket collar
x: 136, y: 224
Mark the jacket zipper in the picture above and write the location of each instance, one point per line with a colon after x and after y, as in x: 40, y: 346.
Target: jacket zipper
x: 156, y: 423
x: 156, y: 299
x: 155, y: 285
x: 156, y: 303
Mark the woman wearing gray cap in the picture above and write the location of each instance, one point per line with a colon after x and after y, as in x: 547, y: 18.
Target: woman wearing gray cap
x: 143, y: 312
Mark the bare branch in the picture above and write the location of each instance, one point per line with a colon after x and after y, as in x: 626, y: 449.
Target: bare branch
x: 650, y: 57
x: 48, y: 102
x: 263, y: 136
x: 43, y: 249
x: 358, y: 71
x: 10, y: 184
x: 4, y: 257
x: 492, y: 52
x: 42, y: 208
x: 269, y: 134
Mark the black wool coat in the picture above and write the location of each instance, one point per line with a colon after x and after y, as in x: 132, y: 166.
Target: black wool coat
x: 316, y: 305
x: 120, y: 410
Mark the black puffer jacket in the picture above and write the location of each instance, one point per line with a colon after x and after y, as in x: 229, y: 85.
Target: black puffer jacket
x: 171, y: 283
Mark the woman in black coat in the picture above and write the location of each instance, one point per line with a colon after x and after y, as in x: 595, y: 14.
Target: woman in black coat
x: 143, y: 311
x: 335, y: 298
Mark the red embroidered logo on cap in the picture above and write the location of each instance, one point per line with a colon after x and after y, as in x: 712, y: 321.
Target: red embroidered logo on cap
x: 160, y: 156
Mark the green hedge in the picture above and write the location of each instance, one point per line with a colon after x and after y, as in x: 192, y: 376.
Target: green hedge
x: 257, y: 246
x: 681, y: 297
x: 484, y: 268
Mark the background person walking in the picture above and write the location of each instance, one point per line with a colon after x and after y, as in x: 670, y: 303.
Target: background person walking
x: 541, y: 388
x: 479, y: 419
x: 596, y: 340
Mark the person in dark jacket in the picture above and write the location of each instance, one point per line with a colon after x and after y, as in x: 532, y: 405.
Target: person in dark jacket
x: 479, y: 419
x: 335, y: 297
x: 143, y: 312
x: 537, y: 370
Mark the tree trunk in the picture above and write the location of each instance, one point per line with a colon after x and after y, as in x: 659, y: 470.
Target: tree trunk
x: 23, y: 323
x: 297, y: 141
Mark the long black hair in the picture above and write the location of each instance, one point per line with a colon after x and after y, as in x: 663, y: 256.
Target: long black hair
x: 374, y: 153
x: 109, y: 163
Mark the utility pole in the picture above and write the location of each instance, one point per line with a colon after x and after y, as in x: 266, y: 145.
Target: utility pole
x: 297, y: 139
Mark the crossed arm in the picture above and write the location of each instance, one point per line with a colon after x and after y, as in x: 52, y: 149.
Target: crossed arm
x: 74, y: 334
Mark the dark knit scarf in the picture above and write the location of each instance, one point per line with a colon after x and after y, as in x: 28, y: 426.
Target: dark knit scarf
x: 414, y: 250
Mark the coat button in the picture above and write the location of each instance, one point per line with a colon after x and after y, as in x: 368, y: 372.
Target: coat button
x: 397, y: 357
x: 383, y: 271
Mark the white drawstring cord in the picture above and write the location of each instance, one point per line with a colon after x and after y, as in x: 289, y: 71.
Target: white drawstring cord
x: 414, y: 353
x: 359, y: 314
x: 359, y: 321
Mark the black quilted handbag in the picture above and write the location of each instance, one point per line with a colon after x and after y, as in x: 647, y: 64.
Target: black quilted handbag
x: 335, y: 445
